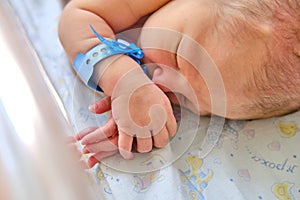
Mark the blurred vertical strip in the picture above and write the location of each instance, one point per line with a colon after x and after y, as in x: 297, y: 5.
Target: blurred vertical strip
x: 35, y: 162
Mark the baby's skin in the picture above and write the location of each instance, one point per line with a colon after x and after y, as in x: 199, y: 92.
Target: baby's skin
x: 210, y: 56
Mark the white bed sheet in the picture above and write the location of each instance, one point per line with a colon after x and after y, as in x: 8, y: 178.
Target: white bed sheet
x: 257, y: 159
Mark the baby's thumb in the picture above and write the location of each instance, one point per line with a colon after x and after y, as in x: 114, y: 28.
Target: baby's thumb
x: 159, y: 78
x: 101, y: 106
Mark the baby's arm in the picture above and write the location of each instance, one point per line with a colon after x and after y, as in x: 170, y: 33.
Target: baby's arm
x: 108, y: 18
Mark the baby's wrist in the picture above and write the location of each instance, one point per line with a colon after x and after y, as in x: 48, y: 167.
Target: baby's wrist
x: 109, y: 72
x: 104, y: 56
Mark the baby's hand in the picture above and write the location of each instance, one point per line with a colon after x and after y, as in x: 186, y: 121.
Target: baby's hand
x: 140, y: 109
x: 99, y: 142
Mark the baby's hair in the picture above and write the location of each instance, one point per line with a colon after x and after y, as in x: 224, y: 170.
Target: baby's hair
x: 249, y: 13
x: 257, y: 14
x: 284, y: 66
x: 278, y: 79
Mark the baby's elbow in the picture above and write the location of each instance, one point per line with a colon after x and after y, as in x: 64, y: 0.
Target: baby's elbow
x: 65, y: 21
x: 74, y: 31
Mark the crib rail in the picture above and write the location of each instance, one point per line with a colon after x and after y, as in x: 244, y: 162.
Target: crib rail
x: 34, y: 160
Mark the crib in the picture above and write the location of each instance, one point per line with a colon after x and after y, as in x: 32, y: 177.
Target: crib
x: 42, y: 101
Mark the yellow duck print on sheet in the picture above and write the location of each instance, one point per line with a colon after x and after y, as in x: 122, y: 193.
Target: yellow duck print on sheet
x: 194, y: 178
x: 287, y: 129
x: 282, y: 191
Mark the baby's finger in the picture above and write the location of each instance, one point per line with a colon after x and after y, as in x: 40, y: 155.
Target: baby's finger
x: 83, y: 164
x: 101, y: 106
x: 125, y: 145
x: 70, y: 139
x: 144, y: 145
x: 161, y: 139
x: 96, y: 158
x: 102, y: 133
x: 91, y: 161
x: 107, y: 145
x: 77, y: 153
x: 85, y: 132
x: 171, y: 123
x: 74, y: 150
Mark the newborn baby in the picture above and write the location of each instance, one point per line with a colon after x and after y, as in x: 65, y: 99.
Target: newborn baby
x: 239, y: 59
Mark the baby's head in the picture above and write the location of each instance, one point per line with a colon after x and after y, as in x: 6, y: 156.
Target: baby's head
x: 268, y: 77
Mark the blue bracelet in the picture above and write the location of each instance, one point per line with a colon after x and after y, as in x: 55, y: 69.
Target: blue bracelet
x: 84, y: 63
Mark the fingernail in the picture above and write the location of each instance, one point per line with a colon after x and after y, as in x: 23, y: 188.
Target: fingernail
x: 85, y: 150
x: 158, y: 71
x: 128, y: 155
x: 93, y: 107
x: 84, y: 142
x: 78, y: 137
x: 92, y: 161
x: 157, y: 75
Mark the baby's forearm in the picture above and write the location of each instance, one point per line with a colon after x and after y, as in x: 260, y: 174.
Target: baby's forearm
x: 77, y: 37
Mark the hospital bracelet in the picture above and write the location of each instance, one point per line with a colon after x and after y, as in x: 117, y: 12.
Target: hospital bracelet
x: 84, y: 63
